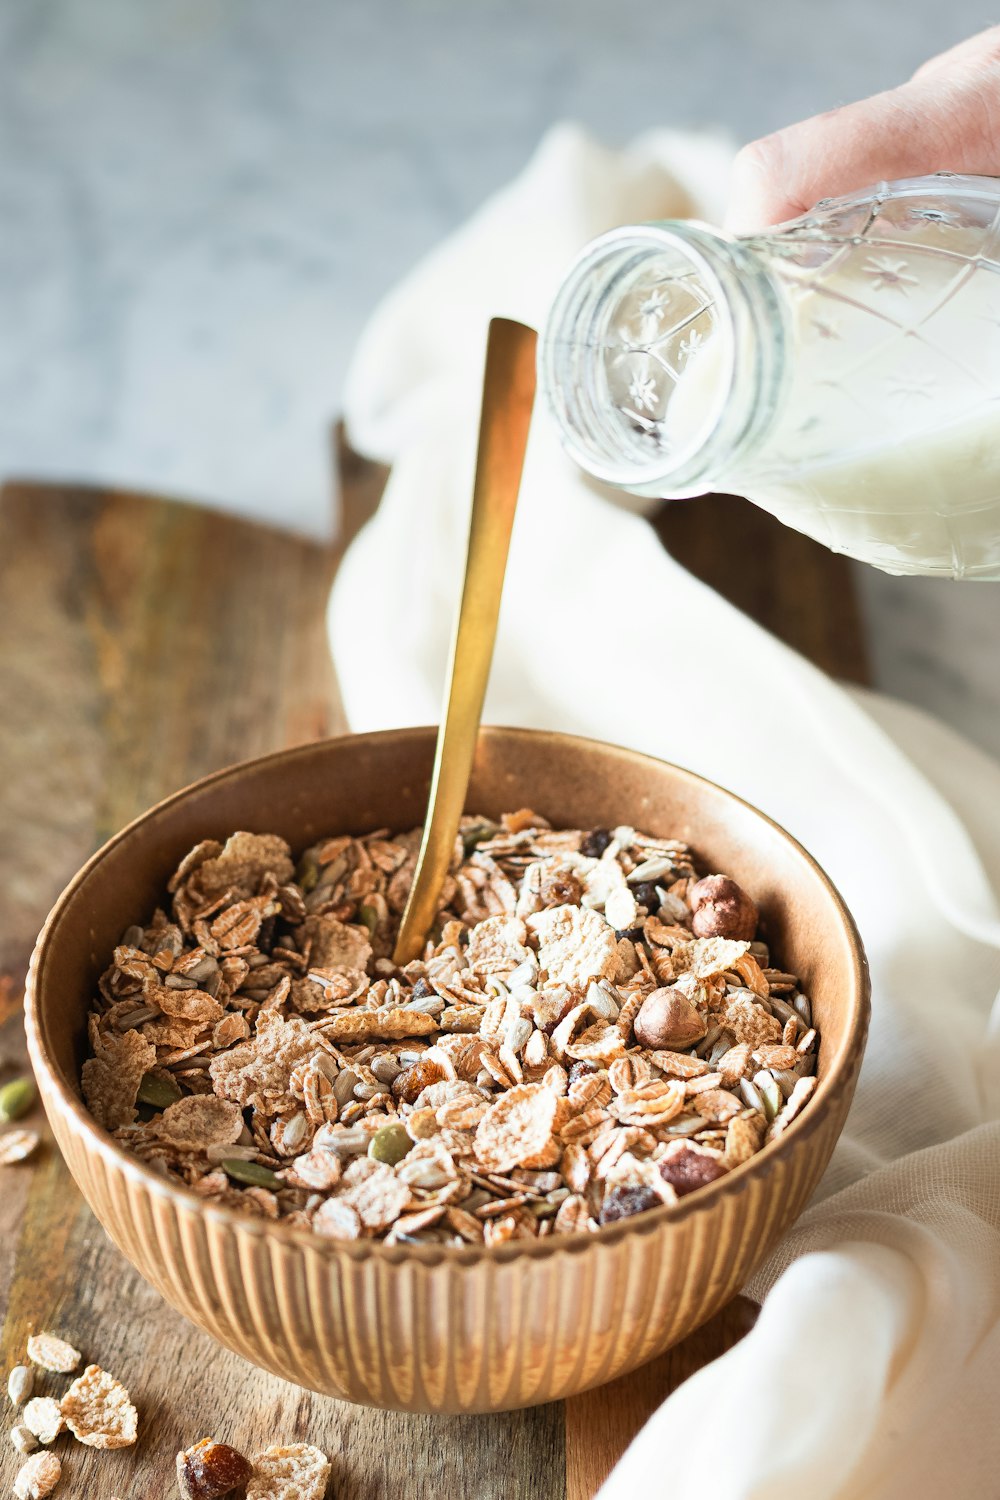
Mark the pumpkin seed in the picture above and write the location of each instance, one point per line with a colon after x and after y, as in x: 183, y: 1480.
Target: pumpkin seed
x: 369, y: 916
x: 251, y: 1173
x: 16, y: 1098
x: 158, y: 1092
x: 390, y: 1144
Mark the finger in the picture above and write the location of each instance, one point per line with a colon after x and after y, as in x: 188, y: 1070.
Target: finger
x: 937, y: 123
x: 984, y: 47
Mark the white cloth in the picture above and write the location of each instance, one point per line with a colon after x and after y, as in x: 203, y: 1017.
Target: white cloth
x: 875, y: 1364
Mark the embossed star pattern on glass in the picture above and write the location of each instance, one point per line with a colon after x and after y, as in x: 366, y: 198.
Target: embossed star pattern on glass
x: 842, y: 370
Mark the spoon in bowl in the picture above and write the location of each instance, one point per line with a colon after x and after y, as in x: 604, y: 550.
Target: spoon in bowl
x: 508, y: 397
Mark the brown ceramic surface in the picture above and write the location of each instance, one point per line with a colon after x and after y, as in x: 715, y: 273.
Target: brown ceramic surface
x: 436, y: 1328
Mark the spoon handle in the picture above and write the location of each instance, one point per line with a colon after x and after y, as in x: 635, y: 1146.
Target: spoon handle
x: 508, y: 396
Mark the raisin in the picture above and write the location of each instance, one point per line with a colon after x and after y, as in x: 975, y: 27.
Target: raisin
x: 594, y: 843
x: 410, y: 1083
x: 211, y: 1469
x: 560, y: 890
x: 632, y: 933
x: 687, y: 1170
x: 623, y: 1202
x: 646, y: 895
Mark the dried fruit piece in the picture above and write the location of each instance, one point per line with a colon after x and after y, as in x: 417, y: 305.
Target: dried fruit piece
x: 98, y: 1410
x: 38, y: 1477
x: 211, y: 1469
x: 298, y: 1472
x: 721, y: 908
x: 20, y: 1383
x: 16, y: 1099
x: 44, y: 1418
x: 623, y: 1202
x: 53, y: 1354
x: 594, y: 843
x: 686, y: 1167
x: 668, y: 1020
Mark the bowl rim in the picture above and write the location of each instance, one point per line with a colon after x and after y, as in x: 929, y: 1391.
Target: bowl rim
x: 115, y: 1158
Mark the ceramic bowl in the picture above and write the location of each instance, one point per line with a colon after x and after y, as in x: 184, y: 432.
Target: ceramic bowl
x: 431, y: 1328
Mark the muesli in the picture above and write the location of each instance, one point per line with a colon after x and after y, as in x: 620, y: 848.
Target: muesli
x: 593, y: 1030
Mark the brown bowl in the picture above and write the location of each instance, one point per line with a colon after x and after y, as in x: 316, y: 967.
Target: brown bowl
x: 434, y: 1328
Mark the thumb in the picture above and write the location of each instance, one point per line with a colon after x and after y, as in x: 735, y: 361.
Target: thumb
x: 934, y: 123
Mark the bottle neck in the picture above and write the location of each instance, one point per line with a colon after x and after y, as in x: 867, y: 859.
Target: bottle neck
x: 663, y: 357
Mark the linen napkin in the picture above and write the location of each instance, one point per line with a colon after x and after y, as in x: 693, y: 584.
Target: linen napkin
x: 875, y: 1364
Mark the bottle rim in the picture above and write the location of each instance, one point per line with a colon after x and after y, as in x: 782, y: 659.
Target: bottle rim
x: 578, y: 321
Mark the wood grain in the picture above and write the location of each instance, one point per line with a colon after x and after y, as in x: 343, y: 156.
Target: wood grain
x: 144, y: 643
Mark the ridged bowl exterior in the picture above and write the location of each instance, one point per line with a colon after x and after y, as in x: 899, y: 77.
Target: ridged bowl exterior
x: 441, y: 1329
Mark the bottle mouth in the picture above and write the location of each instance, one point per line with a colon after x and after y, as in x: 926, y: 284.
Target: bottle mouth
x: 638, y: 358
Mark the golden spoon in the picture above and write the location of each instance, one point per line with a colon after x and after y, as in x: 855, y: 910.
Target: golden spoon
x: 508, y: 396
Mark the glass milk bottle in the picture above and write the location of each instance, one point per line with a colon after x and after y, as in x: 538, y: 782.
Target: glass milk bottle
x: 842, y: 371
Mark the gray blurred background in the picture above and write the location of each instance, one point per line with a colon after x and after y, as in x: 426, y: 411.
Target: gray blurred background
x: 201, y: 200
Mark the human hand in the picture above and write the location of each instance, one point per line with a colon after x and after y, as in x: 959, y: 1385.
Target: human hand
x: 945, y: 119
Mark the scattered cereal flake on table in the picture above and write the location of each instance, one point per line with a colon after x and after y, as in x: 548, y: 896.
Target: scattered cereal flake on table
x: 112, y: 1077
x: 298, y: 1472
x: 200, y: 1120
x: 17, y: 1145
x: 519, y: 1124
x: 53, y: 1353
x: 98, y: 1410
x: 37, y: 1477
x: 574, y: 944
x: 497, y: 946
x: 44, y: 1418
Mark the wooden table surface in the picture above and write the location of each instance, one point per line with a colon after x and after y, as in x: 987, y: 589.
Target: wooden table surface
x: 144, y: 643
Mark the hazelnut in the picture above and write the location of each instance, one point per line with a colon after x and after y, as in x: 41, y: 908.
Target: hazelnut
x: 687, y: 1168
x: 667, y: 1019
x: 723, y: 909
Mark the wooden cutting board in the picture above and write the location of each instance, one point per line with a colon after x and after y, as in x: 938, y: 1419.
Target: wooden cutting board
x: 144, y: 643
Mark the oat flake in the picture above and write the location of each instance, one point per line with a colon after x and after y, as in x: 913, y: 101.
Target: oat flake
x: 98, y: 1410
